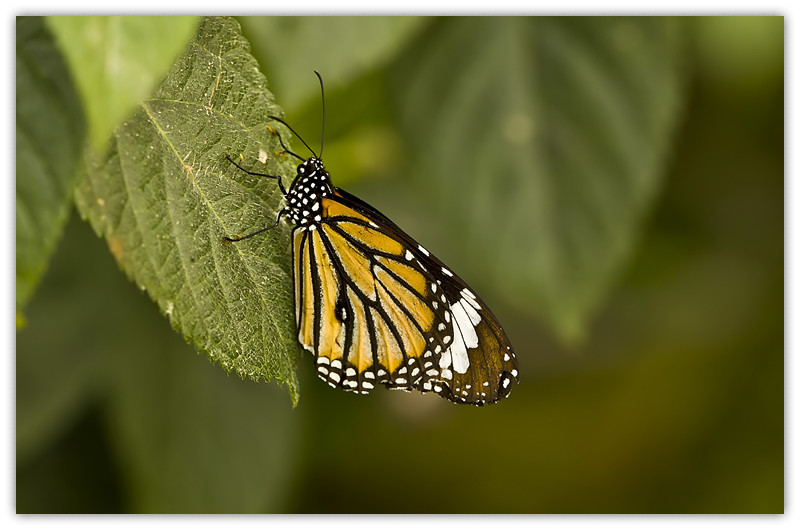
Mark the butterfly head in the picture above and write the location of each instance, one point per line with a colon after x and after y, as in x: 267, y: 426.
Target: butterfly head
x: 310, y: 186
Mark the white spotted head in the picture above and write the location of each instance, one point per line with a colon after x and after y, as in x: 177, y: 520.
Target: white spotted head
x: 310, y: 186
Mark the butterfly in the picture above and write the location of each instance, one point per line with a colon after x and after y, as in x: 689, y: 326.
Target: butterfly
x: 375, y: 307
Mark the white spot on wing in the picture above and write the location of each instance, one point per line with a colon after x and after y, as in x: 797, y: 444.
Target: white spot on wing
x: 446, y: 360
x: 469, y: 296
x: 464, y: 335
x: 474, y: 317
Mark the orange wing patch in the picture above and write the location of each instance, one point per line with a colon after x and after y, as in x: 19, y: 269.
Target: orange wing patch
x: 335, y: 209
x: 411, y: 276
x: 389, y: 353
x: 360, y: 352
x: 370, y: 238
x: 331, y: 330
x: 356, y: 265
x: 420, y: 312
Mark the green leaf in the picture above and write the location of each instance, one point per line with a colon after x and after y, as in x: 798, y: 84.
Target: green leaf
x: 117, y: 61
x: 49, y: 131
x: 549, y: 158
x: 340, y: 48
x: 164, y: 197
x: 60, y: 354
x: 194, y: 440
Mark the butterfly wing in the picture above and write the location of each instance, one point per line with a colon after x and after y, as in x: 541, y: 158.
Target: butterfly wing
x: 375, y: 307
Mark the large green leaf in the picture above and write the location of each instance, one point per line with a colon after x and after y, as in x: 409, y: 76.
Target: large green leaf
x: 192, y: 439
x: 164, y: 197
x: 340, y: 48
x: 544, y: 141
x: 118, y: 60
x: 58, y: 351
x: 49, y: 133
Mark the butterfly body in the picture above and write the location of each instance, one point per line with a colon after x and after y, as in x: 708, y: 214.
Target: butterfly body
x: 375, y: 307
x: 304, y: 197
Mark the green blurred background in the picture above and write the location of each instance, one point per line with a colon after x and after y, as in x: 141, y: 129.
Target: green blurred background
x: 666, y: 396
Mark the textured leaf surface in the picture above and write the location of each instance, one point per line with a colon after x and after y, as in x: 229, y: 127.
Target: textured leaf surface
x: 340, y: 48
x: 549, y: 158
x: 117, y: 61
x: 49, y: 132
x: 164, y: 197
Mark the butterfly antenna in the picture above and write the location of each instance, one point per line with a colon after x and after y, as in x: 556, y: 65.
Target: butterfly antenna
x: 295, y: 133
x: 322, y: 90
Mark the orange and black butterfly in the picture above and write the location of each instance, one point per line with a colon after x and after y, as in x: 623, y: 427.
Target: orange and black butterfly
x: 375, y: 307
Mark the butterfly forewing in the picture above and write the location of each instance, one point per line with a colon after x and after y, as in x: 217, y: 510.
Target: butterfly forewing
x: 375, y: 307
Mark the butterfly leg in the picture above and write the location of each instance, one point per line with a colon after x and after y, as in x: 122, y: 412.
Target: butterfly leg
x: 276, y: 177
x: 234, y: 239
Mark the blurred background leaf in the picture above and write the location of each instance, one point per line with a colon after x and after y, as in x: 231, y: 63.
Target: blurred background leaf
x: 738, y: 53
x: 117, y: 61
x: 342, y: 48
x: 50, y: 129
x: 164, y: 197
x: 547, y: 159
x: 673, y: 402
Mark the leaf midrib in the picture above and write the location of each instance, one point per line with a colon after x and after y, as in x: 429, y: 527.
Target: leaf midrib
x: 251, y: 275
